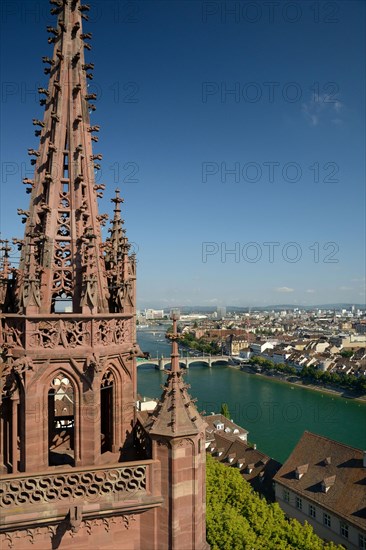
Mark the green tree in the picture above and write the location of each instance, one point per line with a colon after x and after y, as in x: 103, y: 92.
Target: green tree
x: 225, y: 410
x: 346, y: 353
x: 238, y: 518
x: 361, y: 384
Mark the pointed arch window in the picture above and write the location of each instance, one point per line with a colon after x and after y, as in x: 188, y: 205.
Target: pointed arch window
x: 61, y: 421
x: 107, y: 400
x: 65, y: 169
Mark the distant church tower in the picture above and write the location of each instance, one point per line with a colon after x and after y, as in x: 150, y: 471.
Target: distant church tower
x: 79, y: 468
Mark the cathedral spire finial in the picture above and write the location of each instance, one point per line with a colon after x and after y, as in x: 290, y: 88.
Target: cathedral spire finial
x: 117, y: 199
x: 118, y: 233
x: 175, y: 353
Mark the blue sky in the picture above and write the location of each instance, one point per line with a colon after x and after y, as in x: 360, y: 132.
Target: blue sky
x: 227, y: 125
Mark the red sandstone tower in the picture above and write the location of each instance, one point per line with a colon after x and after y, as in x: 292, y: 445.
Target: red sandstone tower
x: 177, y: 432
x: 79, y: 467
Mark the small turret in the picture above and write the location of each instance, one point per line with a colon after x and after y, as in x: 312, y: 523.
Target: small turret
x: 178, y: 434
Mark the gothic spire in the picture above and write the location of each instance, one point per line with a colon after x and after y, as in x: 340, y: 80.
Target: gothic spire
x: 117, y: 242
x: 62, y: 258
x: 120, y: 265
x: 176, y: 414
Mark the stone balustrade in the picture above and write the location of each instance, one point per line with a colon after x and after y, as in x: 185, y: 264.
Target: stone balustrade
x: 128, y: 481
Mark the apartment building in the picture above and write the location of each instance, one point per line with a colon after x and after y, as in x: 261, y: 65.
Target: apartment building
x: 323, y: 482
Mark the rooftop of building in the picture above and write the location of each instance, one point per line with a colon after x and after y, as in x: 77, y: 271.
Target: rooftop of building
x: 335, y: 476
x: 218, y: 423
x: 256, y: 467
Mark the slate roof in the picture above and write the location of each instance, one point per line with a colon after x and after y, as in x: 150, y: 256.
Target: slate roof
x: 333, y: 466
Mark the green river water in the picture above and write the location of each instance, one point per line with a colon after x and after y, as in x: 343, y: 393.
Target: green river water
x: 275, y: 413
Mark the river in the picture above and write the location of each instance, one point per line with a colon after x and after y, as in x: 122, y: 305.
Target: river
x: 275, y: 413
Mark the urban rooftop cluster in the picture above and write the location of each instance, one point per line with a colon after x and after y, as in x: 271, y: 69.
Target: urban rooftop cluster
x: 332, y: 341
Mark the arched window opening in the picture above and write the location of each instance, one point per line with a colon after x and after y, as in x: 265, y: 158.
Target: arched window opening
x: 65, y: 171
x: 12, y: 419
x: 106, y: 412
x: 61, y: 422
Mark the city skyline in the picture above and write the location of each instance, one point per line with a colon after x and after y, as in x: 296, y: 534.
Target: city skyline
x: 241, y: 158
x: 231, y: 308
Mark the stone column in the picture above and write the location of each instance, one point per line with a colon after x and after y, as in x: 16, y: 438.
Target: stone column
x: 14, y: 431
x: 2, y: 466
x: 87, y: 429
x: 36, y: 432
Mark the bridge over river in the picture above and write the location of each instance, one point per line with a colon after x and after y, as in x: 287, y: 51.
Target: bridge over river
x: 162, y: 363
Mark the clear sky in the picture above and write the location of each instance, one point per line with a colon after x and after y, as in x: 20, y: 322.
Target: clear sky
x: 227, y: 126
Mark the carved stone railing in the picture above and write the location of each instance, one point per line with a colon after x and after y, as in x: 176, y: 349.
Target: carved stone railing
x: 67, y: 331
x: 58, y: 333
x: 111, y: 331
x: 129, y: 481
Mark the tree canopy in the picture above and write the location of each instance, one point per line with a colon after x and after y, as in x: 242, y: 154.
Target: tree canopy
x: 238, y: 518
x: 314, y: 375
x: 188, y: 340
x: 225, y: 410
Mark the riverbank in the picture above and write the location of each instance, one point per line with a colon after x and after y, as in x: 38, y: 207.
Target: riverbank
x: 288, y: 380
x: 298, y: 382
x: 275, y: 413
